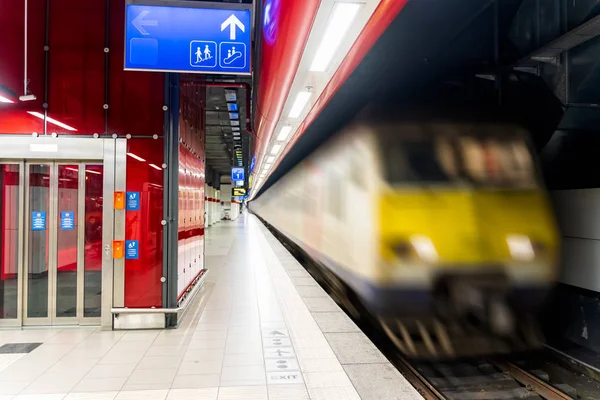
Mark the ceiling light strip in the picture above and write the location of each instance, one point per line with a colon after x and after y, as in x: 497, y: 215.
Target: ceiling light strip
x: 51, y: 120
x: 339, y: 22
x: 299, y: 104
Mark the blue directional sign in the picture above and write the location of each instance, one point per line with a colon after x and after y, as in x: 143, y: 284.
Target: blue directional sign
x: 132, y: 249
x: 184, y: 38
x: 38, y: 221
x: 67, y: 220
x: 237, y: 174
x: 132, y: 203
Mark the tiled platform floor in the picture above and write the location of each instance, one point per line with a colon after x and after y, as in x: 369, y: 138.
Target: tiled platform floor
x: 262, y: 329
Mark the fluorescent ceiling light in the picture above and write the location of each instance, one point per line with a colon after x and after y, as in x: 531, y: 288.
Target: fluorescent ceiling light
x: 276, y: 148
x: 341, y: 19
x: 5, y: 99
x: 72, y: 169
x: 155, y: 167
x: 234, y: 115
x: 52, y: 120
x: 136, y: 157
x: 235, y: 123
x: 268, y: 166
x: 235, y: 128
x: 270, y: 159
x: 299, y: 104
x: 232, y: 106
x: 89, y: 171
x: 283, y: 133
x: 236, y: 133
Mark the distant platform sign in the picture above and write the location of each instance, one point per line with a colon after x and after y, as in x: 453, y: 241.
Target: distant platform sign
x: 237, y: 174
x: 187, y: 38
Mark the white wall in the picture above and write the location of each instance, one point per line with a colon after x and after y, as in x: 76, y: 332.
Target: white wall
x: 578, y: 213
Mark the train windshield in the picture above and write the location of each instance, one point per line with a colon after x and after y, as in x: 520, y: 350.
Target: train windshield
x: 494, y: 161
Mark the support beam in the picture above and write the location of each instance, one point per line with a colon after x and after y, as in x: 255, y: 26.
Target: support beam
x: 550, y: 52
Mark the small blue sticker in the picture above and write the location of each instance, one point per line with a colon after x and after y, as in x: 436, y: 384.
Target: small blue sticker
x: 131, y: 250
x: 133, y: 201
x: 38, y: 221
x: 67, y: 220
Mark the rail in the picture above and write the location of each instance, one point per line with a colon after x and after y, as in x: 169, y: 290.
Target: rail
x: 544, y: 389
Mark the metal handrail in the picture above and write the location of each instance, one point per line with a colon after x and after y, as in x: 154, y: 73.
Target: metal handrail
x: 181, y: 308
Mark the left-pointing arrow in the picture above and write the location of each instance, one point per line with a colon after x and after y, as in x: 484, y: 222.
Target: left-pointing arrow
x: 139, y: 22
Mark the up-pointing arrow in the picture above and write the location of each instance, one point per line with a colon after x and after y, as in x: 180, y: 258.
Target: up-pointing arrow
x: 139, y: 22
x: 277, y: 333
x: 232, y: 22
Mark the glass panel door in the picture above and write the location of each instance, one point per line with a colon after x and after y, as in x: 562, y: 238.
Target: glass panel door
x: 10, y: 243
x: 67, y: 241
x: 37, y: 285
x: 63, y: 221
x: 94, y: 188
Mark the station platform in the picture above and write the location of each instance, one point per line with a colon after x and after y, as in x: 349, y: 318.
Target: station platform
x: 260, y: 329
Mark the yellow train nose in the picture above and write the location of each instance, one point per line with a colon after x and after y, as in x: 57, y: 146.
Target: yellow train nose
x: 467, y: 227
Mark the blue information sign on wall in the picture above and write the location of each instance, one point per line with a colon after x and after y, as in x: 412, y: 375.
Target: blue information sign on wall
x: 38, y: 220
x: 237, y: 174
x: 131, y: 250
x: 133, y: 201
x: 186, y: 38
x: 67, y: 220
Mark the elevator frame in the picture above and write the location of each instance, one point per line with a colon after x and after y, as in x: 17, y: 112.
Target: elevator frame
x: 112, y: 154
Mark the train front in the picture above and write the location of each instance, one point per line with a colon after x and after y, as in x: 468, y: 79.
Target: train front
x: 468, y: 242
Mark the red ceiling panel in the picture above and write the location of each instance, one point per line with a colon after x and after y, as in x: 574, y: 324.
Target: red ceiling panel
x: 383, y: 16
x: 287, y: 26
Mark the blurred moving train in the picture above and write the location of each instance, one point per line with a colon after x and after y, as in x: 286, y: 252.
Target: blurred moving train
x: 439, y: 227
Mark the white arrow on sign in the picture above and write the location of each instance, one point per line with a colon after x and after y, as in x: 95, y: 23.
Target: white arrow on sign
x: 139, y: 22
x: 232, y: 22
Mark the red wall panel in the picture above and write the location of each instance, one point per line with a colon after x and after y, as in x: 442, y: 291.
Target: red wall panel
x: 76, y: 84
x: 13, y: 117
x: 191, y: 184
x: 142, y: 276
x: 76, y: 70
x: 135, y: 98
x: 76, y: 95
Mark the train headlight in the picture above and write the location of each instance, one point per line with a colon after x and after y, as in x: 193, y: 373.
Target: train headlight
x: 416, y: 248
x: 424, y: 248
x: 520, y: 247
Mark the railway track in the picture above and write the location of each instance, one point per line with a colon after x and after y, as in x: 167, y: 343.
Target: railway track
x: 474, y: 379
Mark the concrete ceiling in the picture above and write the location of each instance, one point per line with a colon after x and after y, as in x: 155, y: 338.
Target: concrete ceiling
x: 220, y: 142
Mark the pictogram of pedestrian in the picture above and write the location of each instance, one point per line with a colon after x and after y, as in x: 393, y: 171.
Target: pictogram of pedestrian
x: 207, y: 55
x: 203, y: 54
